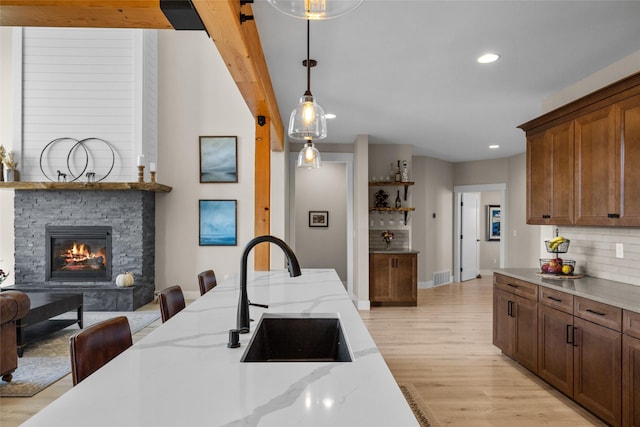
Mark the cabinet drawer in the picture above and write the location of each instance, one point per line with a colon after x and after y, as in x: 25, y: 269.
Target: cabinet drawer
x: 515, y: 286
x: 597, y: 312
x: 631, y: 323
x: 557, y: 299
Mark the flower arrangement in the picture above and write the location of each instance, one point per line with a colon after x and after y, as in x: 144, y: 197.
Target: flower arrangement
x: 388, y: 237
x: 10, y: 160
x: 3, y: 275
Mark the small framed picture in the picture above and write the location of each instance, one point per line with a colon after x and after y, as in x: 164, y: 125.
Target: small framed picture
x: 318, y: 218
x: 493, y: 222
x: 218, y: 223
x: 218, y: 159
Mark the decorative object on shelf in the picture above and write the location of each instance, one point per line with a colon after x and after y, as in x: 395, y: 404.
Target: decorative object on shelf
x: 218, y: 223
x: 140, y: 173
x: 218, y: 159
x: 124, y: 280
x: 387, y: 236
x: 398, y: 200
x: 3, y: 275
x: 398, y: 173
x: 405, y: 171
x: 74, y: 161
x: 318, y: 218
x: 152, y: 171
x: 392, y: 173
x: 13, y: 175
x: 91, y: 177
x: 493, y: 222
x: 3, y: 153
x: 381, y: 199
x: 315, y: 9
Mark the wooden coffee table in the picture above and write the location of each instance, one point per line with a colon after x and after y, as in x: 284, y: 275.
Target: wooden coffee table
x: 44, y: 306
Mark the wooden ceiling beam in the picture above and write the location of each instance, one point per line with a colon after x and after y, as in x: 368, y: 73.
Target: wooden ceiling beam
x: 241, y: 49
x: 238, y: 44
x: 83, y: 13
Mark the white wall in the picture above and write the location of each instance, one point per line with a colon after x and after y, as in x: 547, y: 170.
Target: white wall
x: 6, y: 139
x: 197, y: 96
x: 323, y: 189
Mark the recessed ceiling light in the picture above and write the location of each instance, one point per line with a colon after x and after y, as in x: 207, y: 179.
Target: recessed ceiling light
x: 330, y: 116
x: 494, y: 146
x: 488, y: 58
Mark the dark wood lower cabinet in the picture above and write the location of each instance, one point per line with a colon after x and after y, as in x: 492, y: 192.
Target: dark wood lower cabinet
x: 555, y: 348
x: 597, y: 359
x: 630, y: 381
x: 393, y: 279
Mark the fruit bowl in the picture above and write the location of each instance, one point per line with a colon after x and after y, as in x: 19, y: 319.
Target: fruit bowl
x: 559, y: 248
x: 557, y: 266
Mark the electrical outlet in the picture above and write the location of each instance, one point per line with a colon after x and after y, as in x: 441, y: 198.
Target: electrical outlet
x: 619, y: 250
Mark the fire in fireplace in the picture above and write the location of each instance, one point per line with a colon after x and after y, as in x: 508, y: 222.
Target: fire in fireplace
x: 78, y: 253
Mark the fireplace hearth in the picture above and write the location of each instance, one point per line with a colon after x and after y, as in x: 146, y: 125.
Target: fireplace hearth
x: 78, y: 253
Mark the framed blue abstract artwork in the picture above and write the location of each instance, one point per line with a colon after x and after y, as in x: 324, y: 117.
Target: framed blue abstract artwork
x: 218, y: 223
x: 218, y: 159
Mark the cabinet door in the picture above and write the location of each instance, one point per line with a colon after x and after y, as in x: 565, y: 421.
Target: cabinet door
x: 629, y: 113
x: 550, y: 163
x: 502, y: 321
x: 525, y: 338
x: 597, y: 168
x: 597, y: 360
x: 555, y: 348
x: 539, y: 184
x: 630, y: 381
x: 405, y: 278
x: 380, y: 278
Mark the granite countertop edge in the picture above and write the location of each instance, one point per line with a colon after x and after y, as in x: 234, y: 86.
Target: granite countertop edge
x: 617, y: 294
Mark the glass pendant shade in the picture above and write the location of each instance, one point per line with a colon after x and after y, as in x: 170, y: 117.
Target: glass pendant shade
x: 309, y: 157
x: 307, y: 121
x: 315, y: 9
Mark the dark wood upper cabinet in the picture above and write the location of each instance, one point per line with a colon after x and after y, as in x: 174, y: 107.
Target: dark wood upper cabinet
x: 582, y: 160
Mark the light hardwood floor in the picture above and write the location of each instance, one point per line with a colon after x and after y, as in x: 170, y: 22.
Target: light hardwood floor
x: 444, y: 348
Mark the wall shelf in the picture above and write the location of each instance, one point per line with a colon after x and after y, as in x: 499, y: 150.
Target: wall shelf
x: 143, y: 186
x: 393, y: 184
x: 405, y: 210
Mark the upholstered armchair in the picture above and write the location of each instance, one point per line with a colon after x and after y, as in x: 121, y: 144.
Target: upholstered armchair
x: 14, y: 305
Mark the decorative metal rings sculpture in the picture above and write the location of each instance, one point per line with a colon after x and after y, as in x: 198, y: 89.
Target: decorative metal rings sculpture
x: 79, y: 144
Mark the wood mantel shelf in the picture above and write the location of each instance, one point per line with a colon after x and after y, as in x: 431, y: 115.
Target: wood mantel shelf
x: 141, y: 186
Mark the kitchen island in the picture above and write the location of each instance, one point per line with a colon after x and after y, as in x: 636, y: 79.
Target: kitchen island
x: 183, y: 374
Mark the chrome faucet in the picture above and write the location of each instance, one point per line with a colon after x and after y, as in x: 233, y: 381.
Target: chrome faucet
x: 243, y: 304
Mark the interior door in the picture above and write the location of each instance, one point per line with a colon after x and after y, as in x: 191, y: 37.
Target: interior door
x: 470, y: 210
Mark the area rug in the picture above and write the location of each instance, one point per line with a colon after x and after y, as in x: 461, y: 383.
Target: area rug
x: 420, y: 409
x: 47, y: 360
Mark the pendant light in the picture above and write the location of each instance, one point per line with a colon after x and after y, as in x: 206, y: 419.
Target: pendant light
x: 315, y: 9
x: 309, y: 157
x: 307, y: 121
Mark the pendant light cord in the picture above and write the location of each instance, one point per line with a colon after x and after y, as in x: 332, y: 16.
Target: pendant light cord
x: 308, y: 61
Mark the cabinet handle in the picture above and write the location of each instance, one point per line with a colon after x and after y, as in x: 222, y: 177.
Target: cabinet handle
x: 613, y: 215
x: 513, y: 286
x: 573, y: 336
x: 569, y: 334
x: 596, y: 312
x: 510, y: 308
x: 555, y: 299
x: 546, y: 216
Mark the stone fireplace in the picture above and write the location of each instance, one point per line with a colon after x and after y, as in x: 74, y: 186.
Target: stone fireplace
x: 115, y: 225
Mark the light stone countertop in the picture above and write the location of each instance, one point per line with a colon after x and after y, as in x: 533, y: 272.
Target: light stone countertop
x: 617, y: 294
x: 183, y: 374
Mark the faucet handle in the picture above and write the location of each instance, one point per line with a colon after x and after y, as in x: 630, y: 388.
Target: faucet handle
x: 234, y: 338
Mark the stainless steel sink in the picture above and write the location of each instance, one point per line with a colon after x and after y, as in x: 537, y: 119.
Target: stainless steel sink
x: 298, y: 338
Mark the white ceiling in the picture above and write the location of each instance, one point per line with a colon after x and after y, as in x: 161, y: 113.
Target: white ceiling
x: 405, y: 72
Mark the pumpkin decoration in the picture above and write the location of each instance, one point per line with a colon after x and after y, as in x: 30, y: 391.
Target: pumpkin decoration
x: 124, y: 280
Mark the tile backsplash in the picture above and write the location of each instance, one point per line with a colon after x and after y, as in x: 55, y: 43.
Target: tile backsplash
x: 400, y: 240
x: 594, y: 250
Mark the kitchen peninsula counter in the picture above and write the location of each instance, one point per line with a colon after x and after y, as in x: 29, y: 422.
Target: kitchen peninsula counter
x: 617, y: 294
x: 183, y: 374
